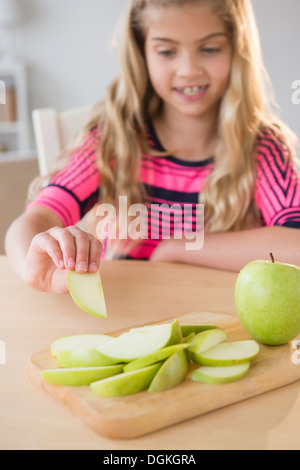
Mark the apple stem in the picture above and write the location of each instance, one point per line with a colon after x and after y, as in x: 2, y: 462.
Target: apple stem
x: 272, y: 257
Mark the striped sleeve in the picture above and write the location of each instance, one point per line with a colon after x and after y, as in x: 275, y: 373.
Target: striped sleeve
x: 73, y: 191
x: 278, y: 183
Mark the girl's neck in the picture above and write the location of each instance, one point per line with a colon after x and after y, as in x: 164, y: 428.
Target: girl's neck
x: 189, y: 138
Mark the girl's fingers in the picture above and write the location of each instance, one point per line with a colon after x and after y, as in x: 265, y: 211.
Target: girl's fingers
x: 94, y: 254
x: 82, y: 245
x: 87, y: 250
x: 71, y: 248
x: 67, y: 244
x: 45, y: 243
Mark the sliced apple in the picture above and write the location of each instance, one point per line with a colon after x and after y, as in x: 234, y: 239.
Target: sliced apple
x: 221, y: 374
x: 154, y: 357
x: 204, y: 341
x: 83, y: 357
x: 171, y: 374
x: 228, y: 353
x: 125, y: 383
x: 188, y: 338
x: 74, y: 342
x: 142, y: 341
x: 188, y: 329
x: 87, y: 292
x: 80, y: 376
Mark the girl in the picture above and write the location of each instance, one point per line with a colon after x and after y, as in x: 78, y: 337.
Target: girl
x: 186, y: 121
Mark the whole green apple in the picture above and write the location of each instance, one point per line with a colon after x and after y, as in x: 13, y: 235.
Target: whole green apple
x: 267, y: 300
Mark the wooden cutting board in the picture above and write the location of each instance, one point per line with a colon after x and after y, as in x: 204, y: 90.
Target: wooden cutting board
x: 142, y: 413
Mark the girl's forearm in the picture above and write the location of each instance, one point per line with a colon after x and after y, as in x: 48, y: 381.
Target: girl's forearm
x: 233, y: 250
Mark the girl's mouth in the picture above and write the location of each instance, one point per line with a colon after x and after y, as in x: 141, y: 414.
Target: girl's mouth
x: 192, y: 93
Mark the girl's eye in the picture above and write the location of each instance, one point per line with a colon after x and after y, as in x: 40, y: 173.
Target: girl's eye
x: 166, y: 53
x: 210, y: 50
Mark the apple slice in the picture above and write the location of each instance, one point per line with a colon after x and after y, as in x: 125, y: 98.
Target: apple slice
x: 172, y: 373
x: 125, y: 383
x: 204, y: 341
x: 86, y: 291
x: 83, y: 357
x: 188, y: 329
x: 74, y: 342
x: 188, y: 338
x: 142, y: 341
x: 154, y: 357
x: 221, y: 374
x: 228, y: 353
x: 80, y: 376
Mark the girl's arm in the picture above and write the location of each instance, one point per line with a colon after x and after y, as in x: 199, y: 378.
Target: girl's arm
x: 233, y: 250
x: 41, y: 250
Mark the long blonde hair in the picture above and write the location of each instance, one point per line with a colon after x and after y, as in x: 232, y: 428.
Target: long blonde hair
x: 245, y: 110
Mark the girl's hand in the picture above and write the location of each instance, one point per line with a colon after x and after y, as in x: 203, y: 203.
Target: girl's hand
x: 55, y: 252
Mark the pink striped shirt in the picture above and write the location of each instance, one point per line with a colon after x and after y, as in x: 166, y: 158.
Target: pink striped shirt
x: 170, y: 181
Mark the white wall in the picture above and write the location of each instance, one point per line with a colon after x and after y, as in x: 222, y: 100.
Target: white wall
x: 66, y: 45
x: 278, y: 22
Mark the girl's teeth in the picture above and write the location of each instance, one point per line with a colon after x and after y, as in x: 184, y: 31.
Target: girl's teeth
x: 190, y: 91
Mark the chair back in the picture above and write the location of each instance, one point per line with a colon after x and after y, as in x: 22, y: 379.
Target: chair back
x: 54, y: 131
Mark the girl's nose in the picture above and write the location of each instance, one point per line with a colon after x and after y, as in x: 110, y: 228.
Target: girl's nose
x: 189, y: 67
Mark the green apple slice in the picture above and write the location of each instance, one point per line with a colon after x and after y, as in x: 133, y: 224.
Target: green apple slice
x: 73, y: 342
x: 204, y: 341
x: 80, y: 376
x: 172, y: 373
x: 221, y: 374
x: 125, y: 383
x: 188, y: 338
x: 228, y: 353
x: 83, y: 357
x: 188, y: 329
x: 87, y: 292
x: 142, y: 341
x: 154, y: 357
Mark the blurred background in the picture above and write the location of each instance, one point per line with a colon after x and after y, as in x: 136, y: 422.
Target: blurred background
x: 59, y: 54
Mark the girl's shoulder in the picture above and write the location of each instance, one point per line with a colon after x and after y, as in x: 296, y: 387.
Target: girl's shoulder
x: 94, y: 132
x: 273, y: 149
x: 276, y: 162
x: 272, y: 142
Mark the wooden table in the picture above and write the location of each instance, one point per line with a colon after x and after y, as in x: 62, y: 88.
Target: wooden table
x: 136, y: 293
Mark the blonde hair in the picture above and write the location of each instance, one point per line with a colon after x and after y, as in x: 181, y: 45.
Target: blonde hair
x: 245, y: 111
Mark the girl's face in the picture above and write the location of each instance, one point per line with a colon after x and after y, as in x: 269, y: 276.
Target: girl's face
x: 188, y: 55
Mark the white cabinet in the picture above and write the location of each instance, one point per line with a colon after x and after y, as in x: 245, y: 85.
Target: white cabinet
x: 14, y: 119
